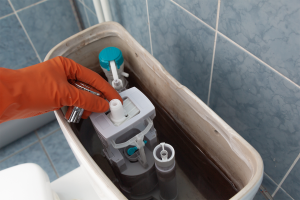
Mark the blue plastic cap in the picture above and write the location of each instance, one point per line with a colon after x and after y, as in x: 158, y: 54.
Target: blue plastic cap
x: 109, y: 54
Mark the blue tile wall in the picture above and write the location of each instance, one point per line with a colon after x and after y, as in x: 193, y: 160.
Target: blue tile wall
x: 49, y: 23
x: 269, y: 185
x: 292, y: 184
x: 5, y: 8
x: 60, y: 153
x: 82, y: 14
x: 282, y: 195
x: 89, y: 4
x: 15, y: 49
x: 33, y: 154
x: 267, y: 28
x: 48, y: 129
x: 203, y: 9
x: 133, y: 16
x: 46, y: 147
x: 87, y: 13
x: 18, y: 145
x: 19, y: 4
x: 182, y: 44
x: 92, y: 17
x: 259, y: 104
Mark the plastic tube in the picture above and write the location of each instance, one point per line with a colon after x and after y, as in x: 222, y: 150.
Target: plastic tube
x: 99, y: 11
x: 106, y: 10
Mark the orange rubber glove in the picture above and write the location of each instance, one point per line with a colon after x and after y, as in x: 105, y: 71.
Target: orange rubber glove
x: 44, y: 87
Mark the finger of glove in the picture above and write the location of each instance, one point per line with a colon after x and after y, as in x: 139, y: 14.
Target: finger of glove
x: 76, y: 71
x: 85, y: 100
x: 86, y: 114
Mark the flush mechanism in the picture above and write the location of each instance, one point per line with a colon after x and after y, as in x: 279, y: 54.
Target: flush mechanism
x: 120, y: 113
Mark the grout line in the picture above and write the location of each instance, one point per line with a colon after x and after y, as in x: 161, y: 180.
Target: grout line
x: 287, y: 194
x: 6, y: 15
x: 50, y: 133
x: 27, y: 61
x: 11, y: 155
x: 45, y: 151
x: 149, y: 27
x: 285, y: 176
x: 37, y: 55
x: 193, y: 15
x: 89, y: 9
x: 31, y: 5
x: 265, y: 192
x: 75, y: 14
x: 258, y: 59
x: 86, y: 15
x: 270, y: 178
x: 214, y: 52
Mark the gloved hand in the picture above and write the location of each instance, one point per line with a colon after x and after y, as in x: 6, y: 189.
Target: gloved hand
x: 44, y: 87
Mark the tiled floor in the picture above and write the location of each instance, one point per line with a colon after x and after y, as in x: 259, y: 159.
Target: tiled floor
x: 46, y: 147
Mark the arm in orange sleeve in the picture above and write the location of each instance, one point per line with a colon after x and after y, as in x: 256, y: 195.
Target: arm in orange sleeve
x: 44, y: 87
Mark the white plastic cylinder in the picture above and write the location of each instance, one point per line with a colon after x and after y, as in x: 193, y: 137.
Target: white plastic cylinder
x: 117, y: 111
x: 106, y: 10
x: 99, y: 11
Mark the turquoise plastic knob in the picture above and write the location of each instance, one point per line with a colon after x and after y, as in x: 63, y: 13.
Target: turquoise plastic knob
x: 132, y: 150
x: 109, y: 54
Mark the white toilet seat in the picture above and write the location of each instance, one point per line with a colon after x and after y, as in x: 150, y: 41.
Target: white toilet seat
x: 27, y: 182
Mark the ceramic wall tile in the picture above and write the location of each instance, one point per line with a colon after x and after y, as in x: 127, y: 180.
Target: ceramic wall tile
x: 82, y: 14
x: 269, y: 29
x: 49, y: 23
x: 48, y: 129
x: 292, y: 183
x: 92, y: 18
x: 205, y: 10
x: 269, y: 184
x: 259, y: 196
x: 282, y: 195
x: 5, y: 8
x: 17, y: 145
x: 182, y: 44
x: 18, y: 4
x: 33, y: 154
x: 259, y: 104
x: 90, y: 5
x: 60, y: 153
x: 132, y: 15
x: 15, y: 49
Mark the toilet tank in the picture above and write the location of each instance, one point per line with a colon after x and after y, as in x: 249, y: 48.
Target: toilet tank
x: 211, y: 137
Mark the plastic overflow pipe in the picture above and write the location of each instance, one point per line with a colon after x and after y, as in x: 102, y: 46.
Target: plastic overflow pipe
x: 106, y: 10
x: 99, y: 11
x: 164, y: 157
